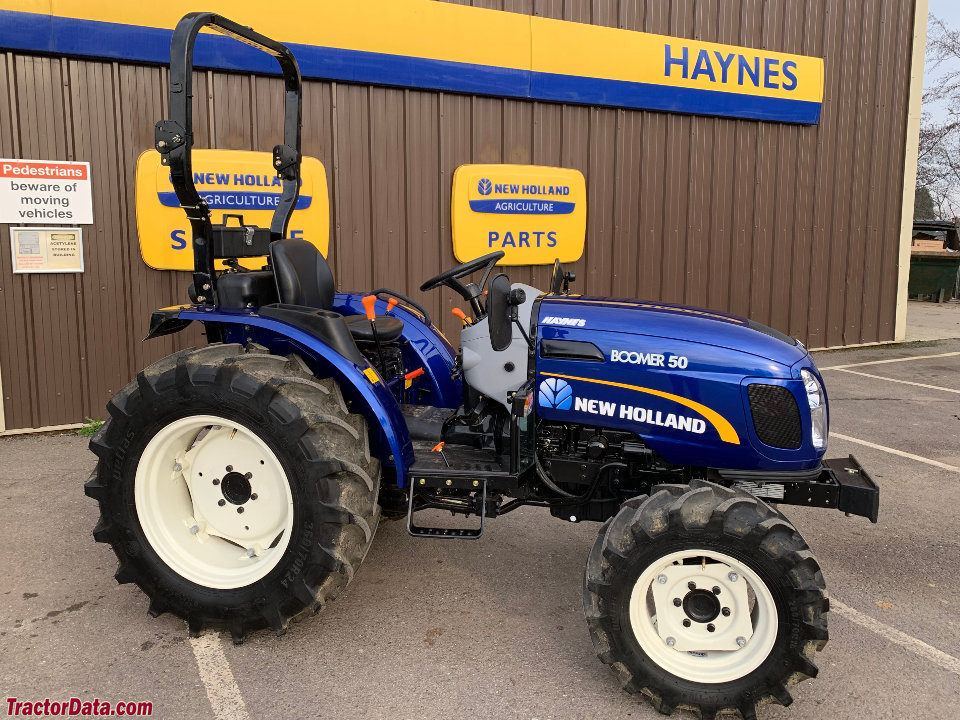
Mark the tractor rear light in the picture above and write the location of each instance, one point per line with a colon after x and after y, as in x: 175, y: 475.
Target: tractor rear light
x: 528, y: 404
x: 818, y: 409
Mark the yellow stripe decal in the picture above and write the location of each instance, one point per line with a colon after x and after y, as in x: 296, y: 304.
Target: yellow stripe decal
x: 722, y: 425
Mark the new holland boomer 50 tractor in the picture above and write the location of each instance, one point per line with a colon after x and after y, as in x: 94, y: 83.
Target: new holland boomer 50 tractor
x: 240, y: 484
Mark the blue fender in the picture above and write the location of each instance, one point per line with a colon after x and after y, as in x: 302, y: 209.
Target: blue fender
x: 361, y: 386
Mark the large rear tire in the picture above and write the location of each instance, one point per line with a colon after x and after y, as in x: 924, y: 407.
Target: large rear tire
x: 235, y: 488
x: 705, y: 598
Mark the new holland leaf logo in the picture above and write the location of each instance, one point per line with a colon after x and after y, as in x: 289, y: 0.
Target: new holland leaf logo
x: 556, y: 393
x: 484, y: 187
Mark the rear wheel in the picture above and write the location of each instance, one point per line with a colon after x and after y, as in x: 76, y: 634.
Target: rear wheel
x: 704, y: 598
x: 234, y: 487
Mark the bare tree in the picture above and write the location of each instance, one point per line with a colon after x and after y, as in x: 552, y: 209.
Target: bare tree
x: 938, y: 160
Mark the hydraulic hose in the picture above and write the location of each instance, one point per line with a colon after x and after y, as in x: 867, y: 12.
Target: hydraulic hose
x: 545, y: 479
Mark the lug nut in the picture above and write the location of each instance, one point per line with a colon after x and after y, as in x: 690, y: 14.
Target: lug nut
x: 216, y: 481
x: 677, y: 602
x: 240, y: 510
x: 733, y: 577
x: 725, y: 612
x: 248, y: 475
x: 741, y: 641
x: 177, y: 467
x: 195, y: 529
x: 671, y: 642
x: 662, y: 579
x: 716, y: 590
x: 692, y: 585
x: 253, y: 496
x: 710, y: 627
x: 686, y: 622
x: 229, y: 468
x: 221, y: 502
x: 250, y: 552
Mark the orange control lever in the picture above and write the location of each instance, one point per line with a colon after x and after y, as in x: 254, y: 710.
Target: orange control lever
x: 410, y: 376
x: 369, y: 301
x: 460, y: 314
x: 391, y: 304
x: 438, y: 447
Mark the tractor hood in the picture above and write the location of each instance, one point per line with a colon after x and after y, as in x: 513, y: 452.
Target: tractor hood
x: 676, y: 322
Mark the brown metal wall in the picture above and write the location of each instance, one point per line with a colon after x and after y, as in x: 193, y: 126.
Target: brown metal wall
x: 797, y: 227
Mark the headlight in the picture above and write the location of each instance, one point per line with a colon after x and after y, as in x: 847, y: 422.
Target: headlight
x: 818, y: 408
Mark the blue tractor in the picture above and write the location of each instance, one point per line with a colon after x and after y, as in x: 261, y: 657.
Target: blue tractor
x: 241, y: 483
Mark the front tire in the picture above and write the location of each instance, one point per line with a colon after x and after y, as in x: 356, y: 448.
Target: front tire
x: 705, y: 598
x: 235, y: 488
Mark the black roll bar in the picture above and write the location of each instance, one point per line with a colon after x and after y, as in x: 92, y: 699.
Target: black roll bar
x: 174, y: 138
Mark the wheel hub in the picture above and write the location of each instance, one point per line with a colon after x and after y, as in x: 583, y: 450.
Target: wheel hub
x: 204, y: 513
x: 236, y: 488
x: 701, y: 606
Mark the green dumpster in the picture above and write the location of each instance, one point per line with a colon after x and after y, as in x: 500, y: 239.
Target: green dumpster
x: 934, y: 274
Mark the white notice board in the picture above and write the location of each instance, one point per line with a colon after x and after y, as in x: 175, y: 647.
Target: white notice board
x: 46, y: 250
x: 46, y: 192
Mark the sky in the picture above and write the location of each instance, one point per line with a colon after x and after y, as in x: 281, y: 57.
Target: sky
x: 948, y: 11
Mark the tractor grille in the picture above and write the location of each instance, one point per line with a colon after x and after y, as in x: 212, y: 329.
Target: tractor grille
x: 776, y: 417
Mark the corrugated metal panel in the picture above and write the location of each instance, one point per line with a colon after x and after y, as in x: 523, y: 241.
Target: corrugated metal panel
x: 794, y: 226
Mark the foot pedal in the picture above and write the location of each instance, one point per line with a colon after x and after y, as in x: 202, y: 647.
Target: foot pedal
x: 450, y: 533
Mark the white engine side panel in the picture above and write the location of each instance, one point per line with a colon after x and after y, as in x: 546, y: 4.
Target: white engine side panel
x: 485, y: 369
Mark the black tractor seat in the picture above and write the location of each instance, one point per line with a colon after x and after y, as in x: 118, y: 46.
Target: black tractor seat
x: 388, y: 328
x: 304, y: 278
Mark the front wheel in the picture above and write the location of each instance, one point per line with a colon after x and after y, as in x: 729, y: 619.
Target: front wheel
x: 705, y: 598
x: 235, y: 488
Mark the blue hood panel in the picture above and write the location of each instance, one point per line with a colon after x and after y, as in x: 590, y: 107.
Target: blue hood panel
x: 676, y: 376
x: 677, y: 322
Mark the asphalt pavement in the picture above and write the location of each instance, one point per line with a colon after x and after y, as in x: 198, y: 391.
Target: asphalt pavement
x: 495, y: 628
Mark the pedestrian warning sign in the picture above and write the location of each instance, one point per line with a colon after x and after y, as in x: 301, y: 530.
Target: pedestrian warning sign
x: 45, y: 192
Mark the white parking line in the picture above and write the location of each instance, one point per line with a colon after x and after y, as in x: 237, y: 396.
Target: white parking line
x: 884, y: 362
x: 222, y: 690
x: 892, y: 451
x: 918, y: 647
x: 897, y: 380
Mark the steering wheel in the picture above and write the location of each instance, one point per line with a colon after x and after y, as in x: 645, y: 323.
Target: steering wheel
x: 445, y: 278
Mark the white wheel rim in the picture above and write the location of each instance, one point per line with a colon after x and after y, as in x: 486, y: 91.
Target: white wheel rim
x: 740, y: 641
x: 213, y: 501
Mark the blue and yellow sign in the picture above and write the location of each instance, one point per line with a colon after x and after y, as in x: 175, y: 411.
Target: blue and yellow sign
x: 444, y: 46
x: 233, y: 182
x: 534, y: 214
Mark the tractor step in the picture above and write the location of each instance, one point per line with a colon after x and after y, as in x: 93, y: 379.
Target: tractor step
x: 464, y: 472
x: 447, y: 533
x: 454, y: 466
